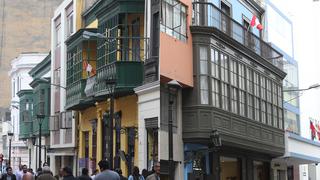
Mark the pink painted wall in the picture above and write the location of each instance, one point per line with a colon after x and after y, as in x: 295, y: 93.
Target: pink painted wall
x: 176, y: 56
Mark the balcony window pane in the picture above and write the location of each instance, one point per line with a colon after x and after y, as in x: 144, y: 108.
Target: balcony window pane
x: 275, y: 116
x: 214, y: 63
x: 257, y: 109
x: 263, y: 87
x: 203, y: 60
x: 215, y: 93
x: 173, y: 19
x: 241, y: 76
x: 204, y: 91
x: 263, y: 111
x: 269, y: 114
x: 242, y: 102
x: 249, y: 81
x: 234, y: 100
x: 250, y: 106
x: 224, y: 67
x: 225, y: 96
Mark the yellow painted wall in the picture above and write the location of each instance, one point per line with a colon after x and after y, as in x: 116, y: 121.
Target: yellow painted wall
x: 129, y: 111
x: 94, y: 24
x: 80, y: 6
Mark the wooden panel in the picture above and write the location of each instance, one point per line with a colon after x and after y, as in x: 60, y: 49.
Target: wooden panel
x: 239, y: 127
x: 222, y: 122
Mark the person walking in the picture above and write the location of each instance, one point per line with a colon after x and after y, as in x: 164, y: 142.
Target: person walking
x: 105, y: 172
x: 135, y: 174
x: 119, y: 171
x: 46, y: 174
x: 84, y: 175
x: 9, y: 175
x: 19, y: 173
x: 67, y: 174
x: 156, y: 174
x: 95, y: 172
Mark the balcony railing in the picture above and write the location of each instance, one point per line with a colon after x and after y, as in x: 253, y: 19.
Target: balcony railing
x: 120, y: 60
x: 207, y: 14
x: 75, y: 93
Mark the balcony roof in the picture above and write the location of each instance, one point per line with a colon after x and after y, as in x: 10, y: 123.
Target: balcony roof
x: 78, y: 37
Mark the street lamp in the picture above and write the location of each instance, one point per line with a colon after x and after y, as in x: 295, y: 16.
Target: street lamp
x: 57, y: 85
x: 10, y: 135
x: 314, y: 86
x: 173, y: 87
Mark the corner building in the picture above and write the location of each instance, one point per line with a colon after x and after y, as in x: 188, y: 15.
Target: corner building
x: 231, y: 83
x: 111, y: 42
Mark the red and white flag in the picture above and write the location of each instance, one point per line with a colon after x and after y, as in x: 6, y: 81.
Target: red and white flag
x: 255, y: 23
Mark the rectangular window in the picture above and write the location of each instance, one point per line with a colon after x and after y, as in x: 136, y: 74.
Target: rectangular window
x: 263, y: 87
x: 234, y: 100
x: 269, y: 94
x: 204, y: 89
x: 58, y: 35
x: 269, y: 114
x: 225, y: 96
x: 242, y: 76
x: 249, y: 81
x: 214, y: 63
x: 174, y: 19
x: 275, y: 116
x: 256, y: 79
x: 256, y: 108
x: 250, y: 106
x: 69, y: 12
x: 242, y: 103
x: 274, y: 94
x: 263, y: 111
x: 280, y: 96
x: 280, y: 118
x: 215, y: 92
x: 233, y: 73
x: 224, y: 61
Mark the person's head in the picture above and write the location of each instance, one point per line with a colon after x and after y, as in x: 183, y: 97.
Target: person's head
x: 103, y: 165
x: 30, y: 170
x: 66, y: 171
x: 24, y: 168
x: 119, y: 171
x: 85, y: 171
x: 135, y: 171
x: 46, y: 170
x: 144, y: 173
x: 156, y: 168
x: 9, y: 170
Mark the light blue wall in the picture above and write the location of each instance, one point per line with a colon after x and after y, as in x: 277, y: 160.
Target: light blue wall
x: 237, y: 11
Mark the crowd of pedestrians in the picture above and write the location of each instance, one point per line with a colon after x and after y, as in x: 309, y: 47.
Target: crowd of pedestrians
x: 65, y: 173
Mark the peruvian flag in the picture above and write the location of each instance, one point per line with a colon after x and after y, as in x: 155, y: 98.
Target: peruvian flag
x: 313, y: 131
x: 87, y: 67
x: 255, y: 23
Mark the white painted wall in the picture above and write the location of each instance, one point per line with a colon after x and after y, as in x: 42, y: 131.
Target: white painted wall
x: 20, y: 80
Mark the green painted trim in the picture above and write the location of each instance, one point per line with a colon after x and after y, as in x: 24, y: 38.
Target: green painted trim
x: 43, y: 67
x: 78, y: 38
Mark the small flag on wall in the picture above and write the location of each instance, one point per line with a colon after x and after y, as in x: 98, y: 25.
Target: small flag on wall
x: 256, y: 23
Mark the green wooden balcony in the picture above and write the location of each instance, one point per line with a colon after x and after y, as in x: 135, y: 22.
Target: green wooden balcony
x: 26, y: 127
x: 77, y: 98
x: 126, y: 75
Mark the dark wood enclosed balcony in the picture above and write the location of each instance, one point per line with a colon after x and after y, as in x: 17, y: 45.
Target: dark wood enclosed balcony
x: 121, y: 55
x: 208, y: 16
x: 81, y: 69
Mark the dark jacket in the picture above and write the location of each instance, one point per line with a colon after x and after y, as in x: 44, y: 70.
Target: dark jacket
x: 84, y: 177
x: 69, y: 177
x: 45, y: 177
x: 4, y: 177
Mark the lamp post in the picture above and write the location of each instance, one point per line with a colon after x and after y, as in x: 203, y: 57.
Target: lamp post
x: 40, y: 118
x: 173, y: 87
x: 216, y: 143
x: 10, y: 135
x: 110, y: 85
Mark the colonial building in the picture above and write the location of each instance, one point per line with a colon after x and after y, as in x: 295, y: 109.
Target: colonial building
x: 21, y: 79
x: 231, y: 88
x: 104, y: 64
